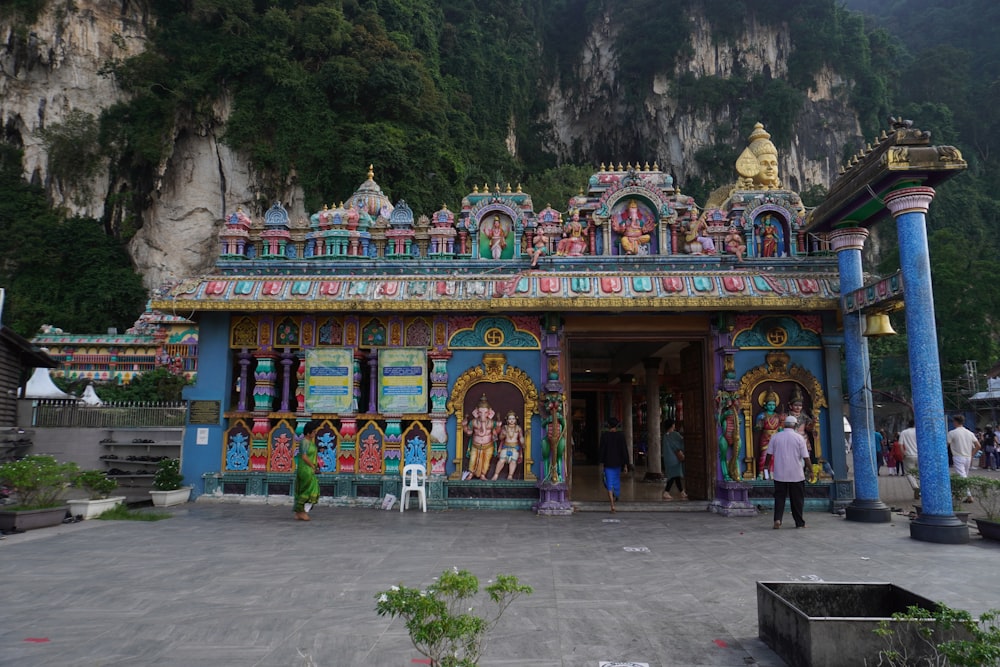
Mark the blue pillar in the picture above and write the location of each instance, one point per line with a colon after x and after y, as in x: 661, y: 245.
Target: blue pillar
x: 832, y: 362
x: 213, y: 383
x: 866, y: 506
x: 937, y: 522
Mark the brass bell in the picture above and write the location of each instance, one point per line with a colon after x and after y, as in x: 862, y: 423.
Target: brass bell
x: 878, y: 324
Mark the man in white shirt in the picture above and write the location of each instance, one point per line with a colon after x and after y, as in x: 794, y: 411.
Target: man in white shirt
x: 790, y: 454
x: 963, y: 445
x: 908, y: 438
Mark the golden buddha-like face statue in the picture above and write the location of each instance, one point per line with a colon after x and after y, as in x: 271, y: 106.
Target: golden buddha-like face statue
x: 759, y: 161
x: 767, y: 157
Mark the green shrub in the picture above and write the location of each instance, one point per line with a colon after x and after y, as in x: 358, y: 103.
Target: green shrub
x: 168, y: 475
x: 96, y: 483
x: 38, y: 481
x: 440, y: 619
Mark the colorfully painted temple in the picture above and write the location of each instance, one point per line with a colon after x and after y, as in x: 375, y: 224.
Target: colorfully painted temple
x: 155, y: 340
x: 432, y: 339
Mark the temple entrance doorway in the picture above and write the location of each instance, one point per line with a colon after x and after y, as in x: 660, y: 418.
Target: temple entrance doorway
x: 620, y: 378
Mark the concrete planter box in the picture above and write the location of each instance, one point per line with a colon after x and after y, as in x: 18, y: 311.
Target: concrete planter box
x: 170, y: 498
x: 20, y: 520
x: 990, y: 530
x: 88, y: 509
x: 832, y: 624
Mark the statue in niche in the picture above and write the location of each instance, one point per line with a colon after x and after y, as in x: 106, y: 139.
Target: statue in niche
x: 634, y: 225
x: 496, y: 235
x: 484, y: 429
x: 767, y: 423
x: 511, y: 444
x: 769, y: 232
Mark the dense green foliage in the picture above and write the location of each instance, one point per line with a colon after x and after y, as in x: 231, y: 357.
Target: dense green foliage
x: 951, y: 86
x: 441, y: 96
x: 155, y: 386
x: 57, y: 271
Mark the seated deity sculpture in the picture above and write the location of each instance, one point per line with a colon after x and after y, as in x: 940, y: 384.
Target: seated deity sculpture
x: 697, y: 239
x: 574, y: 242
x: 634, y: 228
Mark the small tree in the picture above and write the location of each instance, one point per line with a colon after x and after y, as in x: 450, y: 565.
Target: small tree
x: 441, y: 621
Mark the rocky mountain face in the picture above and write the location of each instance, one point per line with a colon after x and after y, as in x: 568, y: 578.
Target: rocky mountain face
x: 55, y: 67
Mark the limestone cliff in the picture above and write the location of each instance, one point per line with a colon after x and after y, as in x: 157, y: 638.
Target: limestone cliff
x: 55, y: 67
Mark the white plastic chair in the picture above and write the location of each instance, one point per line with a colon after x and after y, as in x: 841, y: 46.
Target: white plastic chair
x: 415, y: 480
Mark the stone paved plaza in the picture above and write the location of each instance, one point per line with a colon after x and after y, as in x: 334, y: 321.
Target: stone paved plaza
x: 222, y: 584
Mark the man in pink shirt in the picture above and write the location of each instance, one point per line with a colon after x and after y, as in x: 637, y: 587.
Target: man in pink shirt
x: 790, y: 454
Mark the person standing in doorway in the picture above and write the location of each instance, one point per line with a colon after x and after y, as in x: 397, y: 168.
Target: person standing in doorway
x: 612, y: 458
x: 673, y: 459
x: 306, y: 471
x: 790, y: 455
x: 908, y: 438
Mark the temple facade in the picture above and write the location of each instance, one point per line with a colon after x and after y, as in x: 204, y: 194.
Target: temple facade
x: 491, y: 341
x: 155, y: 340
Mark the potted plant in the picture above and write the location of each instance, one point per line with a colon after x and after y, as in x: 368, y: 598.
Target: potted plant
x: 961, y: 487
x: 38, y: 483
x: 986, y: 492
x: 98, y: 487
x: 168, y: 484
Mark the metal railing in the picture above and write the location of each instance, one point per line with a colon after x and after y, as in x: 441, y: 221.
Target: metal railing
x: 56, y: 412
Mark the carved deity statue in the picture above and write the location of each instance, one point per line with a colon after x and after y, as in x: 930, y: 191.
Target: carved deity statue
x: 574, y: 243
x: 497, y: 236
x: 768, y: 423
x: 554, y: 443
x: 511, y: 444
x: 735, y: 244
x: 634, y: 227
x: 727, y: 405
x: 758, y: 164
x: 484, y: 428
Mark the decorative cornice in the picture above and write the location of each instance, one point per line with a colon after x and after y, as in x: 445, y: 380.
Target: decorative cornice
x: 909, y: 200
x: 852, y: 238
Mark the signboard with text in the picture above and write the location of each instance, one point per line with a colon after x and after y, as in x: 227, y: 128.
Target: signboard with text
x: 402, y: 380
x: 330, y: 381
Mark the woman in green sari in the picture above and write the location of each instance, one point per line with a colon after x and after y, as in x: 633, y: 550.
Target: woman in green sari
x: 306, y: 469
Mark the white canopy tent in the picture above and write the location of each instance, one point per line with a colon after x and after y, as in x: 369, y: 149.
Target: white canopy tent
x: 41, y: 386
x: 90, y: 397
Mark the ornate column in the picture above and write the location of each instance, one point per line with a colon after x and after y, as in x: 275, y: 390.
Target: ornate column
x: 246, y: 389
x: 627, y: 412
x: 372, y: 381
x: 937, y: 522
x: 439, y: 412
x: 552, y: 490
x: 654, y: 466
x: 286, y: 383
x: 263, y: 398
x: 866, y: 506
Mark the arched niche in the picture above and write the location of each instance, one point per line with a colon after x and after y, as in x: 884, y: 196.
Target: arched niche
x: 506, y: 388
